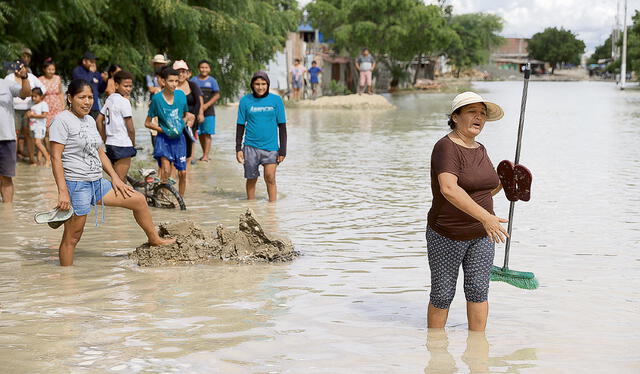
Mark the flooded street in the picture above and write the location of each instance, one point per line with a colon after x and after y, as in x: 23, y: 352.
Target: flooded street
x: 354, y: 192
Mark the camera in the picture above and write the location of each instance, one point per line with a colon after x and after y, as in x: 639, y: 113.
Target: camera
x: 12, y: 66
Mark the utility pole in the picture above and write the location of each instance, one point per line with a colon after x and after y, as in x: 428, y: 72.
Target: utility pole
x: 623, y: 69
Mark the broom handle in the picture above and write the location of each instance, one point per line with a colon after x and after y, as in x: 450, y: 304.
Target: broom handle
x: 512, y: 205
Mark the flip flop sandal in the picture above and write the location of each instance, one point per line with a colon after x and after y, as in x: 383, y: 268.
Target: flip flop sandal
x: 523, y: 182
x: 507, y: 178
x: 54, y: 218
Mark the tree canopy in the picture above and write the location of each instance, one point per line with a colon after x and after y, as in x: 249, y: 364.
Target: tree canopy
x: 555, y: 45
x: 238, y: 37
x: 396, y: 31
x: 477, y: 34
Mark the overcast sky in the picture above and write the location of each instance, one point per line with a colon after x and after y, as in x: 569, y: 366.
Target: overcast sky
x: 591, y: 20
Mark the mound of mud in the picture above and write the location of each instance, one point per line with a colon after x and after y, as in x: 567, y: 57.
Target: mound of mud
x: 195, y: 246
x: 363, y: 101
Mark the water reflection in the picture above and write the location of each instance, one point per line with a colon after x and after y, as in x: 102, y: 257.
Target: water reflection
x: 476, y: 355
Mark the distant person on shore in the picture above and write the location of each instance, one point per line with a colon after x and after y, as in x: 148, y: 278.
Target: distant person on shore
x: 314, y: 73
x: 194, y: 102
x: 210, y: 95
x: 77, y: 163
x: 171, y: 109
x: 111, y: 84
x: 9, y: 89
x: 462, y: 228
x: 54, y: 91
x: 21, y: 107
x: 296, y: 75
x: 365, y: 64
x: 261, y: 114
x: 37, y: 116
x: 115, y: 125
x: 88, y: 71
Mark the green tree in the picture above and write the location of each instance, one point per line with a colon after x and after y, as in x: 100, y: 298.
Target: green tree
x: 478, y: 33
x: 238, y: 37
x: 555, y: 45
x: 602, y: 52
x: 395, y: 31
x: 633, y: 46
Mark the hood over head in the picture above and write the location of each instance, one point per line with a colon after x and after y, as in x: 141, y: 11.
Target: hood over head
x: 263, y: 75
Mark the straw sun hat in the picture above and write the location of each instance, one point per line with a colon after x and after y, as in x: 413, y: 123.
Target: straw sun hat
x: 159, y: 59
x: 494, y: 111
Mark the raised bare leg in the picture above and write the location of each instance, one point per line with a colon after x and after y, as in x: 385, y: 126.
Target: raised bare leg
x: 122, y: 168
x: 138, y: 204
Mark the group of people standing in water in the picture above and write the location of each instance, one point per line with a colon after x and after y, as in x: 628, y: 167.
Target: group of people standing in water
x: 178, y: 107
x: 462, y: 228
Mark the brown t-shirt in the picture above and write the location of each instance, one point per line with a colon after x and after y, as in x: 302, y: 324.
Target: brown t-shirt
x: 476, y: 176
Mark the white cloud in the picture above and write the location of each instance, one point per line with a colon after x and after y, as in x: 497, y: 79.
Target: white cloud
x: 591, y: 20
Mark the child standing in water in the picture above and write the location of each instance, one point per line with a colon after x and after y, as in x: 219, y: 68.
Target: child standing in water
x: 38, y: 124
x: 171, y: 109
x: 263, y: 117
x: 115, y: 124
x: 211, y: 93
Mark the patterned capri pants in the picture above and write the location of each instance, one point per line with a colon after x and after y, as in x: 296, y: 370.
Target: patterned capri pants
x: 445, y: 257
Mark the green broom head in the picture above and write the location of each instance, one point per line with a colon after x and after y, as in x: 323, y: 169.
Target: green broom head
x: 521, y: 279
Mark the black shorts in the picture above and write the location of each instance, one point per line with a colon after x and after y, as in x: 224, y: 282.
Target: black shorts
x: 8, y: 158
x: 116, y: 153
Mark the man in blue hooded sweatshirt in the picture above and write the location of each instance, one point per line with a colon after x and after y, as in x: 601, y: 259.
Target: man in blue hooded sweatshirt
x: 262, y: 122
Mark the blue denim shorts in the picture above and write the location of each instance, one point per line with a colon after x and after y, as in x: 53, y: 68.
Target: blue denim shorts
x: 85, y: 194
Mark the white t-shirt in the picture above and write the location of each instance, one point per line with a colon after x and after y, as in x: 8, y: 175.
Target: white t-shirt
x: 8, y: 90
x: 115, y: 110
x: 39, y: 108
x: 81, y: 140
x: 25, y: 104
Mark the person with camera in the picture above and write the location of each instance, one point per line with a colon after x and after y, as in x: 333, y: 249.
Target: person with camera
x: 22, y: 106
x: 9, y: 89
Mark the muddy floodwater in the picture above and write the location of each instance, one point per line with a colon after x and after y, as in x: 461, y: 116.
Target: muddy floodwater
x: 354, y: 192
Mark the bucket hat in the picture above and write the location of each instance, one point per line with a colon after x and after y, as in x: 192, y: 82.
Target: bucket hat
x: 159, y: 59
x: 180, y: 64
x: 494, y: 111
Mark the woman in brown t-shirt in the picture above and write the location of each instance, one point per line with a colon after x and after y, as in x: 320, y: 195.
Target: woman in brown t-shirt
x: 461, y: 226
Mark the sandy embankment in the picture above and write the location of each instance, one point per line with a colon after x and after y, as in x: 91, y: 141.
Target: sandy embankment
x: 354, y: 101
x: 195, y: 246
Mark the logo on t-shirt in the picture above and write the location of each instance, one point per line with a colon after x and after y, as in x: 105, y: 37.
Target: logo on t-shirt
x: 256, y: 109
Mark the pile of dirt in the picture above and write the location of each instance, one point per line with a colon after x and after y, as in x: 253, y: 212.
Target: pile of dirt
x: 364, y: 101
x: 195, y: 246
x: 427, y: 84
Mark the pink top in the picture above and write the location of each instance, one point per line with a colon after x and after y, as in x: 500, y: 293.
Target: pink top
x: 53, y: 97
